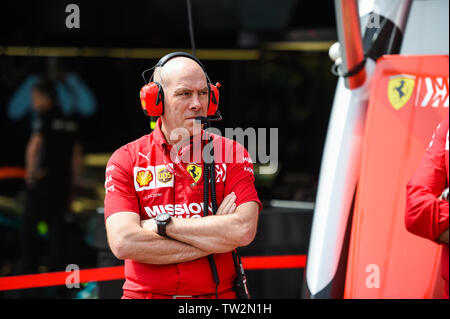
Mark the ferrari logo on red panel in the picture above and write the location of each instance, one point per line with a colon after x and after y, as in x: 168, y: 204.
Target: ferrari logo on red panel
x: 400, y: 88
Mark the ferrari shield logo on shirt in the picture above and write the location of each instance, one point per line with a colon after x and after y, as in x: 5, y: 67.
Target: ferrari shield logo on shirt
x: 152, y: 177
x: 195, y: 171
x: 400, y: 88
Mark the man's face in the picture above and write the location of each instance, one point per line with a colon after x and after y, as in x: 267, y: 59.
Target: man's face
x: 185, y: 94
x: 40, y: 101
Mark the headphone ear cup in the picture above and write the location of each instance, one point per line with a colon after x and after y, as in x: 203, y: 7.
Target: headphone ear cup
x: 152, y: 99
x: 213, y: 99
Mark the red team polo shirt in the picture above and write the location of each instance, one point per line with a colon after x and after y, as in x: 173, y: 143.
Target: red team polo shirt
x: 426, y: 215
x: 143, y: 177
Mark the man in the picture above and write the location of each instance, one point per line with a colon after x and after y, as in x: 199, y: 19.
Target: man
x: 150, y: 178
x: 426, y: 209
x: 52, y: 159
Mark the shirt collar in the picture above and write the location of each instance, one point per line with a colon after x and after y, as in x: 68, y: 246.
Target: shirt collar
x: 159, y: 138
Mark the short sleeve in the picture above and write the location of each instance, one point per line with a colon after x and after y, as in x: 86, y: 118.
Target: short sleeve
x: 120, y: 195
x: 240, y: 176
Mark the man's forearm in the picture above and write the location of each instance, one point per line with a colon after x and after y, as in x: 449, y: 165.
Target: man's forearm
x: 173, y: 252
x: 443, y: 237
x: 31, y: 155
x: 210, y: 233
x: 217, y: 234
x: 30, y: 158
x: 146, y: 246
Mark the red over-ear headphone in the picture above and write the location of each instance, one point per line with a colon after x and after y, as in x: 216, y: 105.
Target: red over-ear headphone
x: 152, y: 94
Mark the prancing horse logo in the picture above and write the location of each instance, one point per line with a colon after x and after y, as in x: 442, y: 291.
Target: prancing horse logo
x: 400, y: 88
x: 195, y: 171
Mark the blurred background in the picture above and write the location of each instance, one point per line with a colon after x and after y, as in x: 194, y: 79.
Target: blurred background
x: 271, y: 58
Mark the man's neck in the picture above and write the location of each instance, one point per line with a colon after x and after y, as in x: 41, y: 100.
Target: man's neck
x: 169, y: 132
x: 181, y: 134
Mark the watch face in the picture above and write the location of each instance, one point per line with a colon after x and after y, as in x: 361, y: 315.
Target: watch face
x: 163, y: 217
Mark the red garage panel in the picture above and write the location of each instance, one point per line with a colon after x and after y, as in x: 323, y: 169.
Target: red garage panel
x: 409, y: 97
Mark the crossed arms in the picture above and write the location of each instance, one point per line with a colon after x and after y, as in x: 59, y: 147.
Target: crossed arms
x: 188, y: 239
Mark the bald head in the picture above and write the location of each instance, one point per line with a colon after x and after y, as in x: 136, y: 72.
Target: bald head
x: 178, y: 69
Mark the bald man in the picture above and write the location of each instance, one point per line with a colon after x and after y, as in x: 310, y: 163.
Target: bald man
x: 154, y: 201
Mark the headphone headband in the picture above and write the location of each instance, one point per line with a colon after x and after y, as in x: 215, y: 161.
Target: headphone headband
x: 172, y: 55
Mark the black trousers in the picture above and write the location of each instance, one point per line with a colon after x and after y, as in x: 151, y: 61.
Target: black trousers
x: 47, y: 200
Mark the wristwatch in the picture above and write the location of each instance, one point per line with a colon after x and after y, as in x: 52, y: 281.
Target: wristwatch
x: 445, y: 194
x: 162, y: 220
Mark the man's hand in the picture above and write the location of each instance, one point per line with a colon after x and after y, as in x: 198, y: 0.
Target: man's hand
x: 443, y: 238
x: 149, y: 224
x: 444, y: 195
x: 216, y: 234
x: 228, y: 205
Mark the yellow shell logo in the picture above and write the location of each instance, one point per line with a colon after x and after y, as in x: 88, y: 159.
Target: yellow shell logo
x: 143, y: 178
x: 195, y: 170
x: 164, y: 176
x: 400, y: 88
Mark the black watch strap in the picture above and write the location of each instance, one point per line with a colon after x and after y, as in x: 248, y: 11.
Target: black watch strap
x: 162, y: 229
